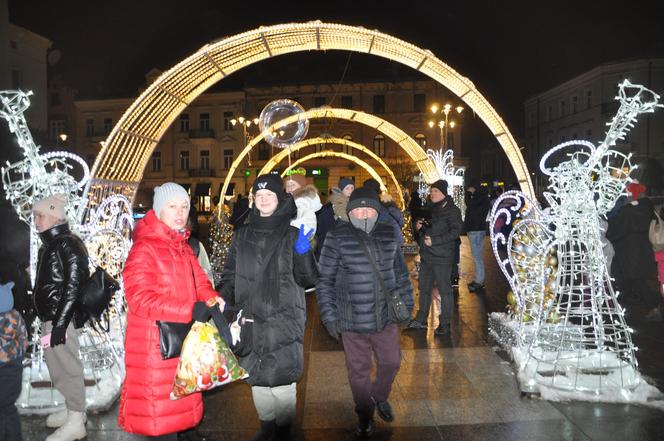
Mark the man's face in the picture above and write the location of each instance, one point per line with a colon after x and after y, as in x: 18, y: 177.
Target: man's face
x: 175, y: 214
x: 44, y: 221
x: 266, y: 202
x: 436, y: 195
x: 291, y: 186
x: 363, y: 213
x: 348, y: 190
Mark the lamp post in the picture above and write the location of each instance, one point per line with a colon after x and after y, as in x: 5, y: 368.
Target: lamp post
x: 245, y: 123
x: 444, y: 123
x: 62, y: 137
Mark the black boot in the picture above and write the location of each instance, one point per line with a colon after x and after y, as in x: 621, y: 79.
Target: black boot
x: 191, y: 435
x: 365, y: 423
x: 267, y: 431
x: 282, y: 432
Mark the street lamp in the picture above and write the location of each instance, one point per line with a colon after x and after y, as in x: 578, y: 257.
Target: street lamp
x: 245, y: 123
x: 444, y: 123
x: 62, y: 137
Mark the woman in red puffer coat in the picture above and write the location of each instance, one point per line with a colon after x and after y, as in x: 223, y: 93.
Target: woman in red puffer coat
x: 163, y: 280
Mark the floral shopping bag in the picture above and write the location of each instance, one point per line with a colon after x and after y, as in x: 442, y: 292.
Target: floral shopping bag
x: 206, y: 362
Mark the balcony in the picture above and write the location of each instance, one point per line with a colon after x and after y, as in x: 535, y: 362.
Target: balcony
x: 201, y: 133
x: 201, y: 172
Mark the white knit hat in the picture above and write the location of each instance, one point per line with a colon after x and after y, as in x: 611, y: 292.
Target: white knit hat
x: 167, y: 192
x: 53, y: 205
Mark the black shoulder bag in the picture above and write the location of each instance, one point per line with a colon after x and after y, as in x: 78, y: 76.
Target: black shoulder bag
x: 396, y: 306
x: 172, y: 335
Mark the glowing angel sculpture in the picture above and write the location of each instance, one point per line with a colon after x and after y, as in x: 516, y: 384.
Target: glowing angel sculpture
x: 571, y: 331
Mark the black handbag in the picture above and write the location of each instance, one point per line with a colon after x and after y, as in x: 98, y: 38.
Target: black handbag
x: 396, y: 307
x: 97, y: 292
x: 171, y: 337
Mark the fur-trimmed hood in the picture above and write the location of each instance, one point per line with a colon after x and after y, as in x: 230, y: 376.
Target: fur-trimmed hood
x: 339, y: 202
x: 307, y: 198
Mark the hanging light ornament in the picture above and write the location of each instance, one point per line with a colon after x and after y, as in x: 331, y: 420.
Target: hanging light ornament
x: 569, y: 334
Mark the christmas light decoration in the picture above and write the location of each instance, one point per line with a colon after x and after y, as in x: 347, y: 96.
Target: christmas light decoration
x: 569, y: 335
x: 454, y: 177
x: 127, y: 149
x: 276, y: 159
x: 221, y: 234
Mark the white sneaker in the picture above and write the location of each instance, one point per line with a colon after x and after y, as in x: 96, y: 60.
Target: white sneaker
x: 57, y: 419
x: 73, y: 428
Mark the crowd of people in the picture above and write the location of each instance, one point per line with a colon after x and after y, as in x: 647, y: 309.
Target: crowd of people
x: 285, y: 243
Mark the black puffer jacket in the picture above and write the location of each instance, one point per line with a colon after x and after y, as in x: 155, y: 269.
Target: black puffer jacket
x: 61, y: 269
x: 347, y: 290
x: 477, y: 208
x: 444, y: 230
x: 265, y: 277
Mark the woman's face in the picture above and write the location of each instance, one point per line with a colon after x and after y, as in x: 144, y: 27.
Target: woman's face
x: 348, y: 190
x: 266, y: 202
x: 175, y: 214
x: 291, y: 186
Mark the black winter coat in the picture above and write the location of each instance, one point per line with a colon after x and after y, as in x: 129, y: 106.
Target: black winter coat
x: 477, y: 208
x: 62, y: 268
x: 444, y: 230
x: 265, y: 277
x: 347, y: 290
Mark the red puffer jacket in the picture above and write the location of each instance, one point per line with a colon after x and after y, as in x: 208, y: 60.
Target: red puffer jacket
x: 162, y: 281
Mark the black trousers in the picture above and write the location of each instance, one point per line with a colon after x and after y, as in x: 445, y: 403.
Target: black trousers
x: 439, y: 273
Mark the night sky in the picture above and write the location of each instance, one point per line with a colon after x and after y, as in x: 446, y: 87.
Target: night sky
x: 509, y: 49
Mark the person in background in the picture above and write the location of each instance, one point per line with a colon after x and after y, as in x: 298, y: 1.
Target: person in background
x: 353, y: 306
x: 268, y: 266
x: 163, y: 281
x: 240, y: 211
x: 389, y: 213
x: 333, y: 211
x: 62, y: 268
x: 477, y: 208
x: 306, y: 199
x: 437, y: 242
x: 13, y: 343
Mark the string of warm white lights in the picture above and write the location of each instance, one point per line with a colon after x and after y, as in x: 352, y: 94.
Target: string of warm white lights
x: 444, y: 161
x: 130, y: 143
x: 570, y: 332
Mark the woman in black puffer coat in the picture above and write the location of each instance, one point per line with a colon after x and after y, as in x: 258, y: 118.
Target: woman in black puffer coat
x: 269, y: 263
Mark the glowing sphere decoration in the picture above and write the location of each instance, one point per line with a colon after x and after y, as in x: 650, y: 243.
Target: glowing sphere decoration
x: 285, y: 135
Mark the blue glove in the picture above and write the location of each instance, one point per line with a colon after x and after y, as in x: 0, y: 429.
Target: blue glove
x: 302, y: 244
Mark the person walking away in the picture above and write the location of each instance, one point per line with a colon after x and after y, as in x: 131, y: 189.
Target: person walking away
x: 477, y: 208
x: 268, y: 266
x: 437, y: 244
x: 62, y: 268
x: 163, y: 281
x: 13, y: 343
x: 353, y: 306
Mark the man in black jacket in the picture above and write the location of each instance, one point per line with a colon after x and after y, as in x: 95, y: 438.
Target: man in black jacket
x: 61, y: 270
x: 437, y: 247
x: 353, y: 305
x: 477, y: 208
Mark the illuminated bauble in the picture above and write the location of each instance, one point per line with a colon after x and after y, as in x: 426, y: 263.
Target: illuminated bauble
x: 511, y: 298
x: 289, y: 134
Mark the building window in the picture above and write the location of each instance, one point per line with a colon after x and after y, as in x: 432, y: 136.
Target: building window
x: 228, y: 116
x: 89, y: 127
x: 184, y: 122
x: 184, y: 160
x: 347, y: 148
x: 108, y: 125
x: 379, y: 104
x: 16, y: 79
x: 156, y: 161
x: 56, y: 127
x: 379, y: 145
x: 205, y: 159
x: 589, y: 99
x: 421, y: 140
x: 205, y: 122
x: 228, y: 158
x: 263, y: 151
x: 563, y: 106
x: 549, y: 113
x: 319, y: 101
x: 575, y: 104
x: 347, y: 101
x: 419, y: 103
x: 55, y: 99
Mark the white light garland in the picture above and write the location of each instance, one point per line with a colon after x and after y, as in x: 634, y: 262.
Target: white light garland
x: 569, y: 333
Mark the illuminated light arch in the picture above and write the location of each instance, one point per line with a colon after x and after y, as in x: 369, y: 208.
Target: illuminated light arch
x: 128, y: 147
x: 276, y: 159
x: 333, y: 154
x: 408, y: 144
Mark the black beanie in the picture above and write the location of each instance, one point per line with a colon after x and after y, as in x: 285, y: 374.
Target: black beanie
x: 363, y: 197
x: 372, y: 184
x: 270, y: 182
x: 441, y: 185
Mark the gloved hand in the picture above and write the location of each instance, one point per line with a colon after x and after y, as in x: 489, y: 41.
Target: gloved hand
x: 201, y: 312
x: 332, y: 330
x: 302, y: 244
x: 58, y: 336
